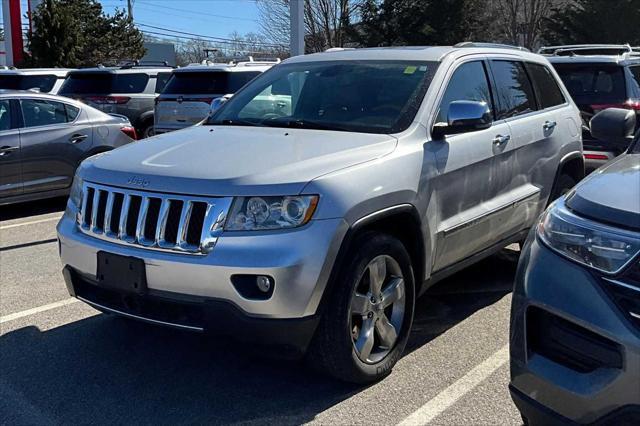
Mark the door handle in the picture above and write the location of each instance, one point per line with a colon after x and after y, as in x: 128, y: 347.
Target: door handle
x: 6, y: 150
x: 499, y: 140
x: 549, y: 125
x: 77, y: 138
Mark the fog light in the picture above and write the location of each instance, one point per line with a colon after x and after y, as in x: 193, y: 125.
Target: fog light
x: 263, y: 283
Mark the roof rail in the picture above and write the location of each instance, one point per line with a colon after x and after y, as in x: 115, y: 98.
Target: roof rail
x: 138, y: 63
x: 590, y: 49
x: 339, y: 49
x: 491, y: 45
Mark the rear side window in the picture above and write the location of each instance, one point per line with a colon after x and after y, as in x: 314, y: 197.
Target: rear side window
x: 161, y: 81
x: 547, y: 89
x: 5, y: 115
x: 38, y: 112
x: 104, y: 83
x: 208, y: 82
x: 72, y: 112
x: 591, y: 84
x: 514, y: 92
x: 468, y: 83
x: 43, y: 83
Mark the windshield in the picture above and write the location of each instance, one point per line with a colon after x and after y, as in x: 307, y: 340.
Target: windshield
x: 209, y: 83
x: 356, y: 96
x: 104, y: 83
x: 591, y: 84
x: 43, y: 83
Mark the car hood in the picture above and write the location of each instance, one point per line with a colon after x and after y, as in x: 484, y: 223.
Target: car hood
x: 229, y: 160
x: 611, y: 194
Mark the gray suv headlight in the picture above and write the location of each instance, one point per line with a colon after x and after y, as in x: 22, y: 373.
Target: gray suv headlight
x: 593, y: 244
x: 265, y: 213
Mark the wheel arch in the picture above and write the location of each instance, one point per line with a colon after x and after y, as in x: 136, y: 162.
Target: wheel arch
x: 573, y: 165
x: 401, y: 221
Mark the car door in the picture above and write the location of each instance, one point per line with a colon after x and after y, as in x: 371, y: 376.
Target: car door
x: 465, y: 181
x: 10, y: 164
x: 532, y: 166
x: 54, y: 138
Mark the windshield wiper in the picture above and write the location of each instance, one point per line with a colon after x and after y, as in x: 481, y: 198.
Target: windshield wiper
x: 303, y: 124
x: 228, y: 122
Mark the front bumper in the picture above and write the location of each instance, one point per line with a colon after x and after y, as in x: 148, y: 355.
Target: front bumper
x: 299, y: 261
x: 210, y: 316
x: 575, y: 354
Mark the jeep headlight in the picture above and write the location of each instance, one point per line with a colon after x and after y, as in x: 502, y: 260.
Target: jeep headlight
x: 593, y: 244
x: 75, y: 195
x: 265, y: 213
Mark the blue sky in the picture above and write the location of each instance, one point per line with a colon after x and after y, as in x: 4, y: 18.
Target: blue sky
x: 216, y: 18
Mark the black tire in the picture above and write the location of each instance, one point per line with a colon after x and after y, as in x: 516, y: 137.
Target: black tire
x: 564, y: 183
x: 332, y: 350
x: 147, y: 131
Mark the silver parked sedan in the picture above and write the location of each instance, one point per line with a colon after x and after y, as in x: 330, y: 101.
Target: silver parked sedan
x: 43, y: 139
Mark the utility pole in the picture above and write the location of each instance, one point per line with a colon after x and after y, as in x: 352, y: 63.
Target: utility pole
x: 296, y: 12
x: 130, y: 8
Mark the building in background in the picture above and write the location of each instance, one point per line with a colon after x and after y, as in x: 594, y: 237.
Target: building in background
x: 160, y: 52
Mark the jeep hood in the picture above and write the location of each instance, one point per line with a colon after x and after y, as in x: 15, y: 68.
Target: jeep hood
x: 228, y: 160
x: 611, y: 194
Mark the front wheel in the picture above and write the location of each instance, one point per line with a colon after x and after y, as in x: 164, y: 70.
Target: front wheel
x: 365, y: 327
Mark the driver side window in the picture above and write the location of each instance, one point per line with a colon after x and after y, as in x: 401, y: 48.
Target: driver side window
x: 468, y: 83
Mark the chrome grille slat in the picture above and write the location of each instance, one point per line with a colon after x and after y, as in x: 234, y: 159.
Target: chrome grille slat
x: 94, y: 212
x: 152, y: 218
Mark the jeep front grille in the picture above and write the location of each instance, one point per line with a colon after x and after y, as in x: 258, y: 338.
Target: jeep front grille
x: 152, y: 220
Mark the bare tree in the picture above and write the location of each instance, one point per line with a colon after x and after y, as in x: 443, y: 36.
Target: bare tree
x: 522, y: 20
x: 326, y: 22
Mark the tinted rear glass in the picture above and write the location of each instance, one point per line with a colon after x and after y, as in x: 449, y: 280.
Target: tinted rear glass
x: 549, y: 93
x: 213, y: 83
x: 44, y: 83
x: 594, y: 83
x: 104, y: 83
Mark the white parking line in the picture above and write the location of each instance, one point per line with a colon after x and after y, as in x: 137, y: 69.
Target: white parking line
x: 33, y: 222
x: 458, y: 389
x: 37, y: 310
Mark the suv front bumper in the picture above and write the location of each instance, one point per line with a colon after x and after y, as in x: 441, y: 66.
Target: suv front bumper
x: 575, y: 355
x: 299, y: 261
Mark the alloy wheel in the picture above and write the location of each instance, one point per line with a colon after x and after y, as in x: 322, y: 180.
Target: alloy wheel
x: 377, y: 309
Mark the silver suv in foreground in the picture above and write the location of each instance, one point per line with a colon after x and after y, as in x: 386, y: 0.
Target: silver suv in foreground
x: 315, y: 226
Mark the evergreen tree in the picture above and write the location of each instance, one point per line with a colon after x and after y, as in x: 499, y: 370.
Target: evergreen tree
x: 595, y: 21
x: 77, y: 33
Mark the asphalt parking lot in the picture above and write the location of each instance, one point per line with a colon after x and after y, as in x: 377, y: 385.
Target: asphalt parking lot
x: 64, y: 362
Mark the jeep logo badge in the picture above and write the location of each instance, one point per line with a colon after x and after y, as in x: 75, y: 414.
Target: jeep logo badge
x: 138, y: 181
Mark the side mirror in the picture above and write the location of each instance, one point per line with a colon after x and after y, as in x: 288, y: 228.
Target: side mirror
x: 615, y: 126
x: 464, y: 116
x: 217, y: 103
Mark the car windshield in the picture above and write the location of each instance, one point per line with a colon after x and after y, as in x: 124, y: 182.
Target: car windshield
x: 104, y: 83
x: 356, y: 96
x: 591, y: 84
x: 43, y: 83
x: 210, y: 83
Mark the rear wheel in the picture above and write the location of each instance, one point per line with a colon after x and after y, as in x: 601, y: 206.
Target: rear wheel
x: 365, y: 327
x: 147, y: 131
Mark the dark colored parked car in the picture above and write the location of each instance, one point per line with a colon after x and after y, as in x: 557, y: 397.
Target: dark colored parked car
x: 598, y: 77
x: 43, y: 139
x: 575, y: 319
x: 128, y: 90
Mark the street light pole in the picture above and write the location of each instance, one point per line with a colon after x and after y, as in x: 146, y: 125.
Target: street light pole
x: 130, y: 8
x: 296, y: 11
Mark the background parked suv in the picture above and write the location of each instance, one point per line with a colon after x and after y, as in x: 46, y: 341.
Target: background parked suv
x: 128, y: 90
x: 598, y: 77
x: 187, y: 96
x: 45, y: 80
x: 315, y: 227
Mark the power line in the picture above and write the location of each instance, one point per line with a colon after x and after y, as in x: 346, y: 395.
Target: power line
x: 196, y: 12
x: 201, y: 36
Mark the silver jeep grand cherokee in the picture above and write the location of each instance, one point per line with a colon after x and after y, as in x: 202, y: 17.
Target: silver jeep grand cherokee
x: 313, y: 208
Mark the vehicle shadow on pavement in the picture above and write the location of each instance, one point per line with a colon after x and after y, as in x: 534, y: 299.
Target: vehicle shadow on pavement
x: 108, y: 370
x: 32, y: 208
